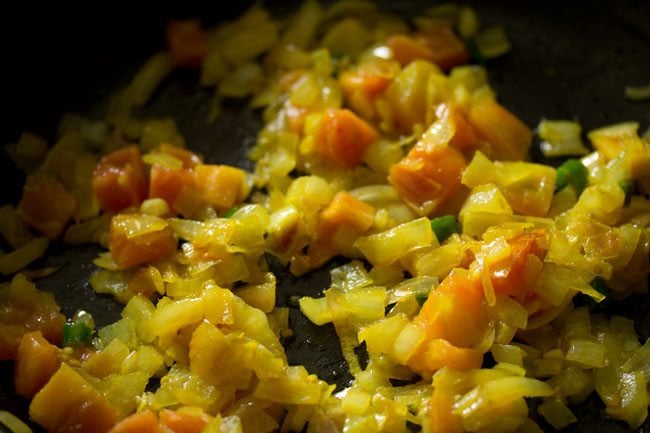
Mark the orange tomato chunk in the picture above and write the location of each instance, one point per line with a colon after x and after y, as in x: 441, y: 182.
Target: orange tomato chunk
x: 46, y: 205
x: 345, y: 209
x: 26, y: 309
x: 68, y: 403
x: 455, y: 311
x: 36, y: 361
x: 135, y: 238
x: 342, y: 138
x: 119, y: 180
x: 183, y: 422
x: 509, y: 137
x: 430, y: 174
x: 447, y: 50
x: 222, y: 186
x: 142, y: 422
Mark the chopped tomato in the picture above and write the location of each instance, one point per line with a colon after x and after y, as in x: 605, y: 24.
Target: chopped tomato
x: 346, y: 210
x: 446, y: 48
x: 134, y: 239
x: 25, y: 309
x: 342, y: 138
x: 369, y: 78
x: 405, y: 49
x: 455, y: 311
x: 448, y: 384
x: 518, y: 271
x: 167, y: 184
x: 188, y: 158
x: 183, y: 422
x: 119, y: 180
x: 188, y: 43
x: 509, y: 137
x: 36, y: 361
x: 363, y: 84
x: 46, y: 205
x: 68, y: 403
x: 222, y: 186
x: 142, y: 422
x: 438, y: 353
x: 465, y: 138
x: 430, y: 174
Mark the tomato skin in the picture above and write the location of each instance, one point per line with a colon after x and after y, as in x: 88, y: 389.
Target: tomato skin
x: 188, y: 43
x: 120, y: 180
x: 135, y: 239
x: 342, y: 138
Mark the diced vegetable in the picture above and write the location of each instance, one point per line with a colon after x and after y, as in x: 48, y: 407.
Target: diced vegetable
x: 46, y: 205
x: 444, y: 226
x: 26, y: 309
x: 136, y: 239
x: 429, y: 176
x: 75, y: 334
x: 69, y: 403
x: 36, y: 361
x: 571, y: 172
x: 509, y: 137
x: 119, y: 180
x: 342, y: 138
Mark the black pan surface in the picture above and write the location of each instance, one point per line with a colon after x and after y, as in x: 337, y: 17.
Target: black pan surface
x: 569, y: 60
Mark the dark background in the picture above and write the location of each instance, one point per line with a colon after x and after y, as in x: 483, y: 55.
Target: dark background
x: 570, y: 60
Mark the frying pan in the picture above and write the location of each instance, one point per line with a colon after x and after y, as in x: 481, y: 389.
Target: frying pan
x: 570, y: 60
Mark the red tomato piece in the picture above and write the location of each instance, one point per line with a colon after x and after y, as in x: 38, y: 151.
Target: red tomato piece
x: 120, y: 180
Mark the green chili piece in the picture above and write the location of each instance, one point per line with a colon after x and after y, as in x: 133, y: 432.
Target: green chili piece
x: 76, y: 334
x: 571, y: 172
x: 444, y: 227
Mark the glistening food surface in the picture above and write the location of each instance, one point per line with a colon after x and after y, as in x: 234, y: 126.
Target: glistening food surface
x: 530, y: 244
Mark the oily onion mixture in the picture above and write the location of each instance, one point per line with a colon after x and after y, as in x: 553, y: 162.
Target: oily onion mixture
x: 472, y: 272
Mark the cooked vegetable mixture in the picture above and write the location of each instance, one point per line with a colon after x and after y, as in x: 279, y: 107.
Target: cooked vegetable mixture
x: 472, y: 271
